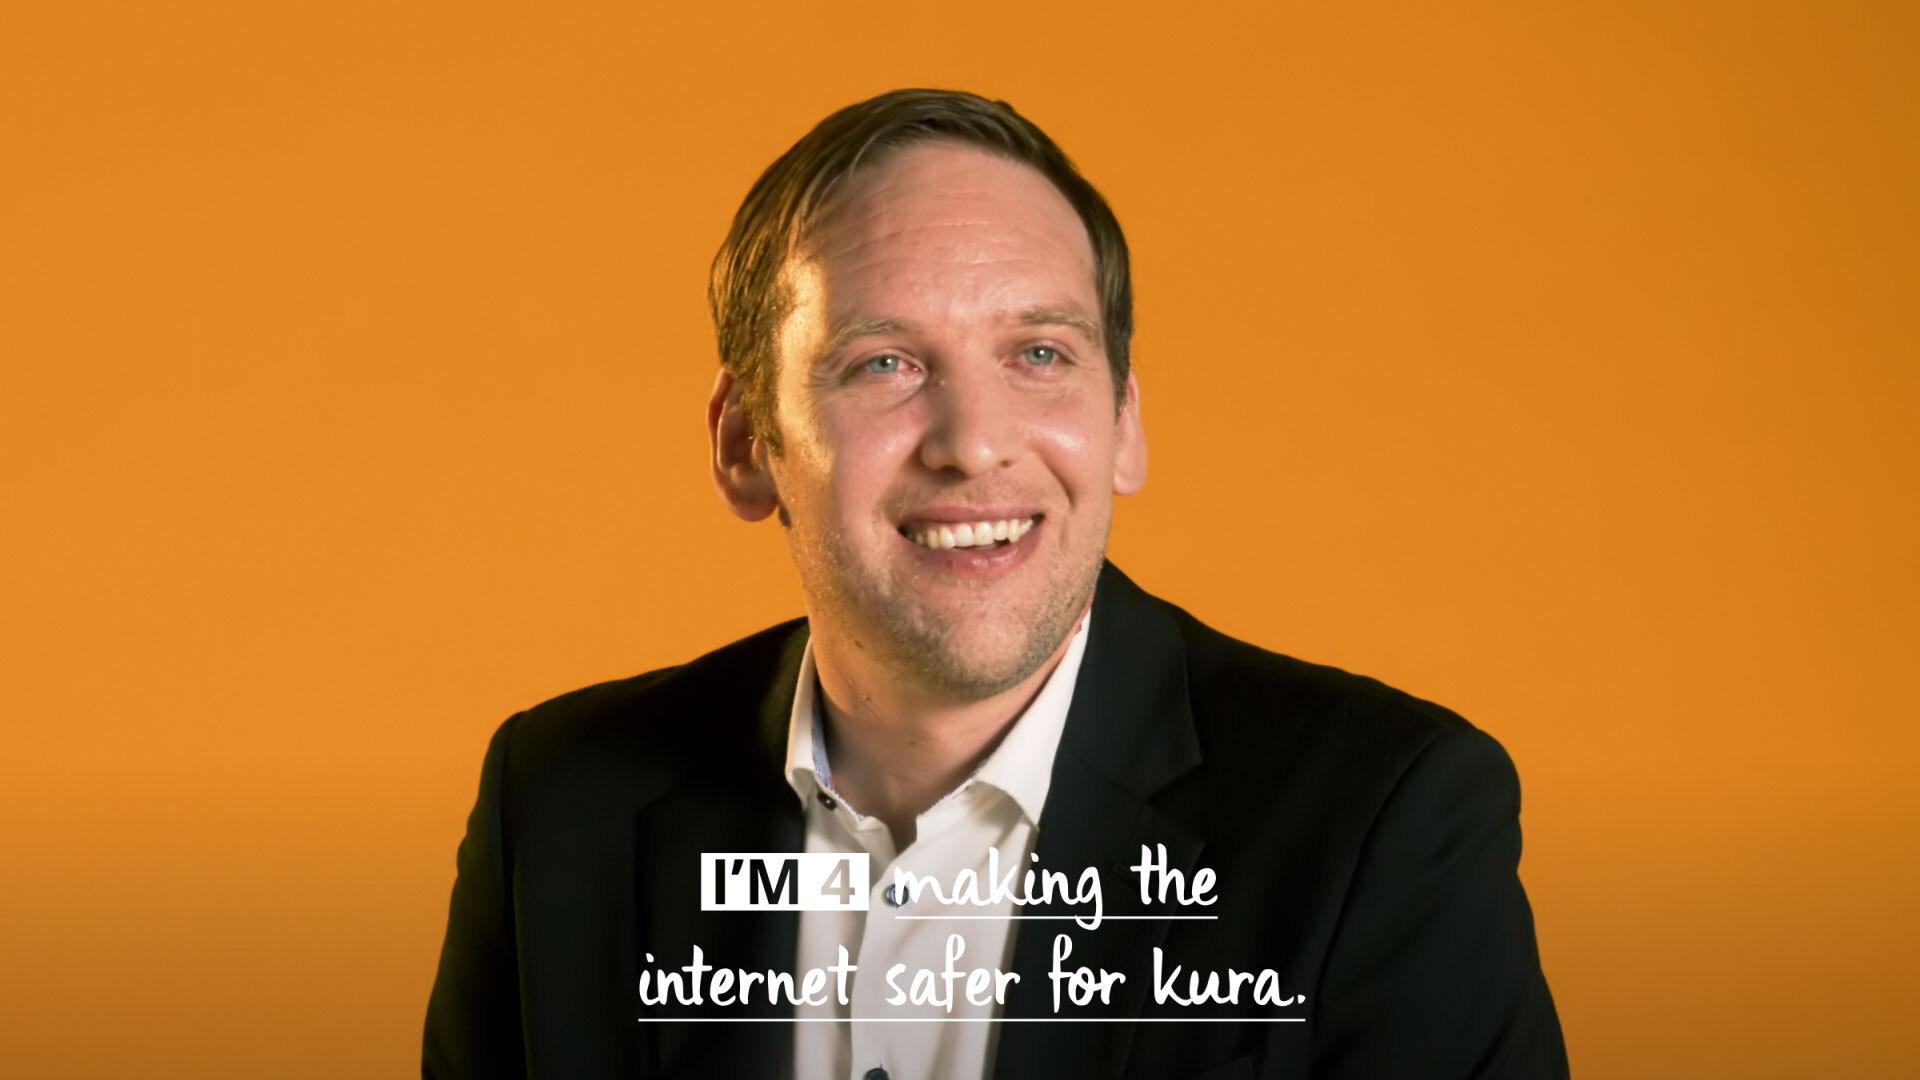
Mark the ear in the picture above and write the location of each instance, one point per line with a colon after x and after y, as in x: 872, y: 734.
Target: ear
x: 739, y: 463
x: 1130, y: 444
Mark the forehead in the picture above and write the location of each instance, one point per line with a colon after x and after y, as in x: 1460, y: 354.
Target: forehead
x: 949, y: 211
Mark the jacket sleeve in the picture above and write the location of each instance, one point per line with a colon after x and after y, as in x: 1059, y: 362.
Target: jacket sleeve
x: 473, y: 1014
x: 1433, y: 970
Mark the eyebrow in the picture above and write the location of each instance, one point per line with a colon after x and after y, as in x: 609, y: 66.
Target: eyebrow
x: 1043, y: 316
x: 858, y: 328
x: 1067, y: 316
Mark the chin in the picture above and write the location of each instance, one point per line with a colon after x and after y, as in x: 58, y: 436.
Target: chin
x: 972, y: 667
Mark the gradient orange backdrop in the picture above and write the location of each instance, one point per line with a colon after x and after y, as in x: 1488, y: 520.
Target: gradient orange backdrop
x: 1559, y: 366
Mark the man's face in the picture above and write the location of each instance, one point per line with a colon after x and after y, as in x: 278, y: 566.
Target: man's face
x: 942, y: 368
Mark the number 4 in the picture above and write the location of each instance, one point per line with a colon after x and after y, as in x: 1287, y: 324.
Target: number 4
x: 836, y: 884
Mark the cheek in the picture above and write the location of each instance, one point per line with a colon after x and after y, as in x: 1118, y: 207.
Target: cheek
x: 1078, y: 443
x: 863, y: 459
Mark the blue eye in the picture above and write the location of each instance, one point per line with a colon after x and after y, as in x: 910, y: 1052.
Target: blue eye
x: 885, y: 364
x: 1040, y: 355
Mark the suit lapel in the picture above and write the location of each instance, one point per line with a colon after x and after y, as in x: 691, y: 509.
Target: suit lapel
x: 1129, y: 733
x: 724, y: 807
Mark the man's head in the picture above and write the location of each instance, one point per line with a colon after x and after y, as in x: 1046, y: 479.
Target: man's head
x: 747, y: 295
x: 923, y: 314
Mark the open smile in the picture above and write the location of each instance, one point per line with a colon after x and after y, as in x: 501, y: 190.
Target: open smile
x: 987, y: 547
x: 983, y: 533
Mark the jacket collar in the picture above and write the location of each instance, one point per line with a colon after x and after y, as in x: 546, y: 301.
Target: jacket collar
x: 1129, y: 735
x: 1132, y: 717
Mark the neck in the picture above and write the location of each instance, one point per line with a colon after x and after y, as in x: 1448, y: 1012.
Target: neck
x: 896, y: 748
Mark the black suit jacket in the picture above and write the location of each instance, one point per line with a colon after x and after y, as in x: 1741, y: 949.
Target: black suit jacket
x: 1365, y: 843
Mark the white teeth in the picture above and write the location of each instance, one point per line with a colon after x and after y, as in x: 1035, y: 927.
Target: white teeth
x: 972, y: 533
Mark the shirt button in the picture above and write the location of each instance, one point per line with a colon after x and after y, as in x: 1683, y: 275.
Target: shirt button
x: 876, y: 1073
x: 826, y: 800
x: 894, y: 896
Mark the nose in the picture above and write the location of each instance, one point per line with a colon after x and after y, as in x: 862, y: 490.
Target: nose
x: 972, y: 429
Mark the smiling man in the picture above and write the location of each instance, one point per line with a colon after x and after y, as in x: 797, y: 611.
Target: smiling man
x: 924, y: 316
x: 943, y: 440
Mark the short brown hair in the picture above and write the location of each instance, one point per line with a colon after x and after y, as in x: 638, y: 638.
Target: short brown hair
x: 746, y: 293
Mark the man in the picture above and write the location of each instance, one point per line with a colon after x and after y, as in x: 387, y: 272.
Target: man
x: 924, y: 316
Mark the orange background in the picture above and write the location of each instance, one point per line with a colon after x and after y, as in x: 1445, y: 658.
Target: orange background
x: 1557, y: 366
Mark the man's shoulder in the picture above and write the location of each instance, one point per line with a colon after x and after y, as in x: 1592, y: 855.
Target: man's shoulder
x: 1265, y: 709
x: 717, y: 675
x: 660, y: 721
x: 1230, y: 671
x: 1283, y: 740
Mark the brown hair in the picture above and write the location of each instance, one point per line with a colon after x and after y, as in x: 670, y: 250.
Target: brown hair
x: 746, y: 294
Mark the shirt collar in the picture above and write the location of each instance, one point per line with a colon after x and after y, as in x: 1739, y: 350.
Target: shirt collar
x: 1021, y: 766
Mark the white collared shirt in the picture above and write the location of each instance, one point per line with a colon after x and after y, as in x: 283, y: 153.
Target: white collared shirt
x: 997, y: 808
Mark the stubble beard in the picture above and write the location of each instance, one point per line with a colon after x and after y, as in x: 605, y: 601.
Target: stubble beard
x: 961, y: 656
